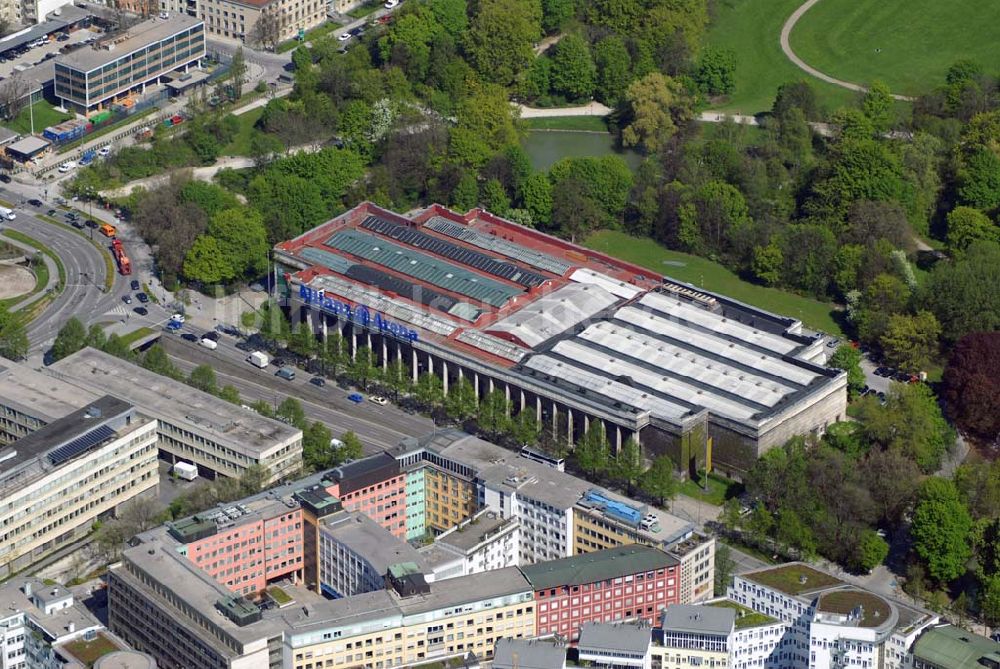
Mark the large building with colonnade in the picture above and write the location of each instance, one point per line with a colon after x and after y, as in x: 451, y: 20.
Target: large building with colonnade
x: 567, y: 332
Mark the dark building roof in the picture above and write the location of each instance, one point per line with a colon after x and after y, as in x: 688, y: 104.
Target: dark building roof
x: 597, y: 566
x: 363, y: 473
x: 66, y: 438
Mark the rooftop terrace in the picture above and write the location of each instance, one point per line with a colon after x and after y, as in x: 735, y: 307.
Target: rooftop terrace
x: 793, y: 579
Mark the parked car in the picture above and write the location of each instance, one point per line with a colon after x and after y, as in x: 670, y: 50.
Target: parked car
x: 344, y: 37
x: 357, y: 398
x: 391, y: 4
x: 51, y: 212
x: 104, y: 151
x: 190, y: 336
x: 66, y: 167
x: 35, y: 203
x: 5, y: 178
x: 318, y: 381
x: 211, y: 336
x: 142, y: 297
x: 127, y: 299
x: 379, y: 400
x: 134, y: 285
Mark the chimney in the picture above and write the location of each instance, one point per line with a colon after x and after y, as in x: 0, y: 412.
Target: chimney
x: 71, y: 627
x: 27, y: 589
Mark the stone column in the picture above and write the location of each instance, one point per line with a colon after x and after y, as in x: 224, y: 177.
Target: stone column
x: 475, y: 382
x: 569, y: 427
x: 444, y: 376
x: 385, y: 354
x: 538, y: 409
x: 524, y: 399
x: 413, y: 360
x: 618, y: 439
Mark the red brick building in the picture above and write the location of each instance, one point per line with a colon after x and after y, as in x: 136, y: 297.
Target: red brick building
x: 376, y: 487
x: 630, y: 582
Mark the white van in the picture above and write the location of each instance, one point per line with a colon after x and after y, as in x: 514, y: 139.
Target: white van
x: 7, y: 213
x: 210, y: 344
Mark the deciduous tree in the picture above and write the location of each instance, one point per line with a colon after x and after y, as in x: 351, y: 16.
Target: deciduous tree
x: 660, y: 480
x: 911, y: 342
x: 940, y: 530
x: 72, y: 337
x: 203, y: 378
x: 573, y: 72
x: 972, y: 385
x: 652, y: 104
x: 848, y: 358
x: 628, y: 465
x: 592, y: 452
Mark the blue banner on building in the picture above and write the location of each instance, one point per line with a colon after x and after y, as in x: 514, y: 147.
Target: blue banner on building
x: 359, y: 314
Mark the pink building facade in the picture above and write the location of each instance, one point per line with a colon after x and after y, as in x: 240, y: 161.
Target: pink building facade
x: 374, y: 486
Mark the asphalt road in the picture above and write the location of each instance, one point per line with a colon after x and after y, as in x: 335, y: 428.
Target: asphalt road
x: 379, y: 427
x: 85, y: 266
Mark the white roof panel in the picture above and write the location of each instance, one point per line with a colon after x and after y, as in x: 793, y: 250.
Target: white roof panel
x: 616, y: 366
x: 603, y: 385
x: 723, y: 348
x: 677, y: 360
x: 396, y: 309
x: 554, y: 313
x: 608, y: 283
x: 717, y: 323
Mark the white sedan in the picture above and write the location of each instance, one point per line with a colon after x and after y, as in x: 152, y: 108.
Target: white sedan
x: 66, y: 167
x: 177, y: 318
x: 104, y: 151
x: 344, y: 37
x: 377, y: 399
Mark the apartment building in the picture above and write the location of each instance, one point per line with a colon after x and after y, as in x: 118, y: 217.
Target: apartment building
x: 163, y: 604
x: 829, y: 623
x: 544, y: 653
x: 618, y: 645
x: 222, y: 439
x: 356, y: 553
x: 440, y: 492
x: 58, y: 480
x: 720, y: 634
x: 36, y: 620
x: 374, y: 486
x: 89, y: 79
x: 558, y: 514
x: 483, y: 543
x: 237, y: 19
x: 625, y: 583
x: 30, y: 399
x: 448, y: 499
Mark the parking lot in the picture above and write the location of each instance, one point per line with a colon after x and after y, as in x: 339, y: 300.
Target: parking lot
x: 33, y: 56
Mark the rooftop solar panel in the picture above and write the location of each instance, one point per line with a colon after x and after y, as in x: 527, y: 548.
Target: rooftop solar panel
x: 81, y: 444
x: 480, y: 261
x: 536, y: 259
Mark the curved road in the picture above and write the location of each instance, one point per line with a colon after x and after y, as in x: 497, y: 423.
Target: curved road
x: 786, y: 31
x: 83, y: 295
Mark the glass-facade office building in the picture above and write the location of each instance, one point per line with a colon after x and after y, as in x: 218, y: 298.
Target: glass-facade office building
x: 88, y: 80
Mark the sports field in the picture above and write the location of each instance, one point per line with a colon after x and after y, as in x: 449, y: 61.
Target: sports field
x: 751, y: 29
x: 909, y: 44
x: 714, y: 277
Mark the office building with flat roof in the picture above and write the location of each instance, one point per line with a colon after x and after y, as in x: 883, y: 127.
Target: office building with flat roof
x: 543, y: 653
x: 625, y: 583
x: 126, y: 63
x: 624, y: 645
x: 356, y: 552
x: 237, y: 20
x: 57, y: 481
x: 484, y: 542
x: 570, y: 334
x: 376, y: 487
x: 219, y: 437
x: 30, y: 399
x: 829, y: 622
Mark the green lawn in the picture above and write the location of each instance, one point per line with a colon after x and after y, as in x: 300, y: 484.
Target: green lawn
x: 719, y: 489
x: 591, y: 123
x: 31, y: 241
x: 135, y: 335
x: 364, y: 10
x: 909, y: 44
x: 279, y: 596
x: 240, y: 146
x: 751, y: 29
x: 45, y: 115
x: 315, y: 33
x: 714, y: 277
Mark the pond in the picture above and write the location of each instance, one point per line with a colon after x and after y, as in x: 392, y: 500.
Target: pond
x: 545, y: 147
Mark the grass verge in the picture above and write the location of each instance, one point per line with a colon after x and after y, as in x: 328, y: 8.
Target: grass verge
x: 364, y: 10
x: 135, y: 335
x: 315, y: 33
x: 149, y: 293
x: 589, y: 123
x: 31, y: 241
x: 713, y: 277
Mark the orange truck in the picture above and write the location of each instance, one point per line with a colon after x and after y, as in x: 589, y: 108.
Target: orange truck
x: 124, y: 264
x: 108, y: 230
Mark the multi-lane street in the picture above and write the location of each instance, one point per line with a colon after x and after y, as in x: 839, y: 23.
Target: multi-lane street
x: 83, y: 295
x: 380, y: 427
